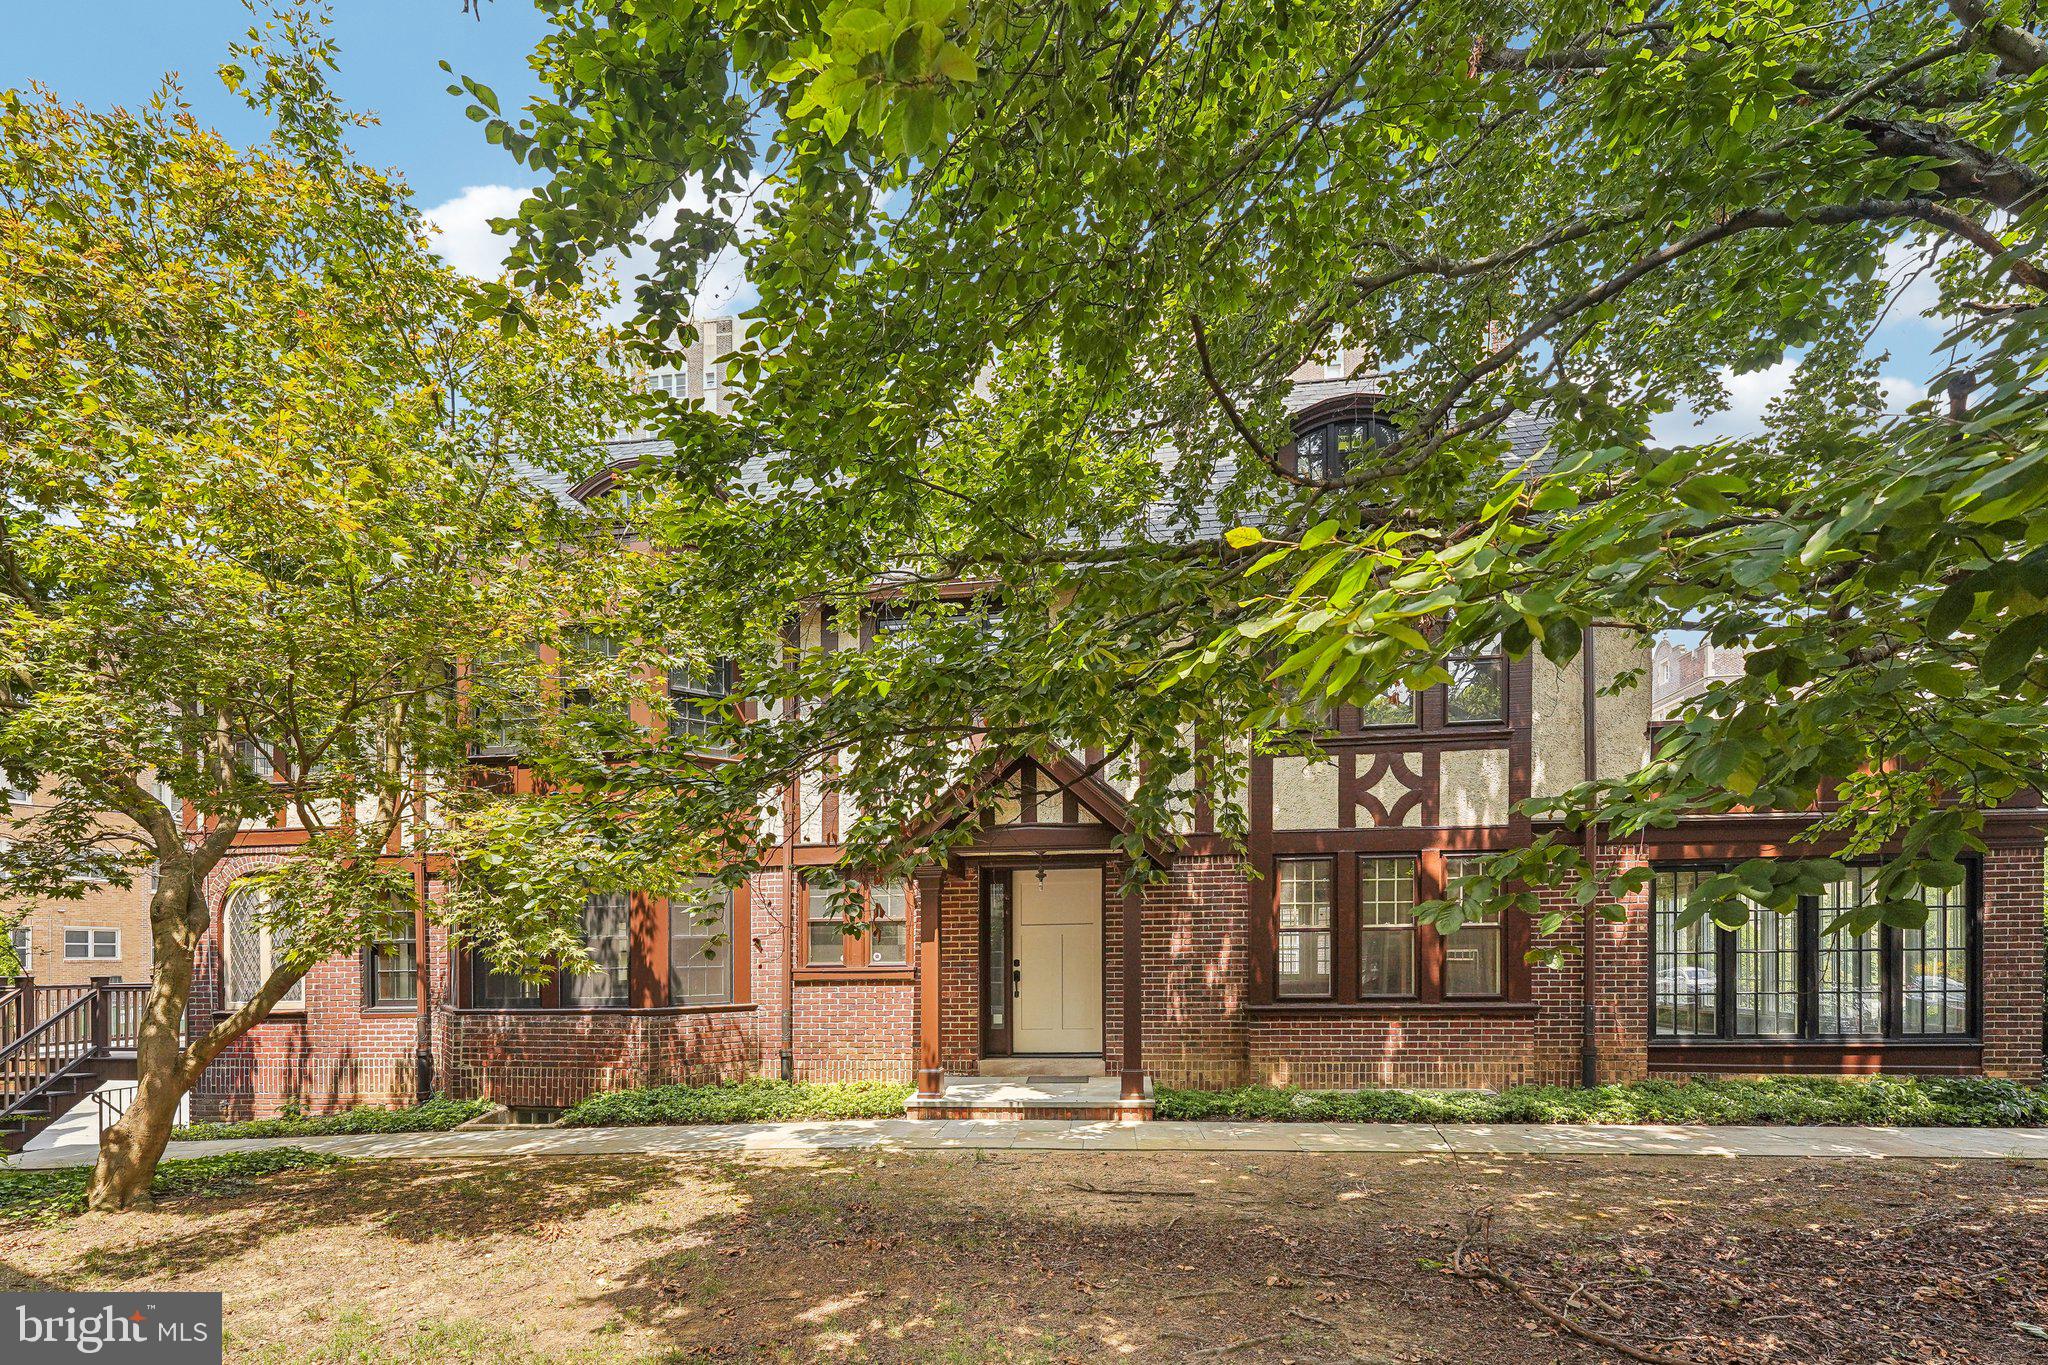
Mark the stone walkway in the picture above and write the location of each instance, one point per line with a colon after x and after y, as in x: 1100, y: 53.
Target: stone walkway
x: 1045, y: 1135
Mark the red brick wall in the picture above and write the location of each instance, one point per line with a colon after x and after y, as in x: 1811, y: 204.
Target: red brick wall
x: 1197, y: 1028
x: 1196, y: 973
x: 551, y: 1059
x: 2012, y: 950
x: 330, y: 1055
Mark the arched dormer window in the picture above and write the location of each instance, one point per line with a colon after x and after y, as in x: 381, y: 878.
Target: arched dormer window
x: 1330, y: 439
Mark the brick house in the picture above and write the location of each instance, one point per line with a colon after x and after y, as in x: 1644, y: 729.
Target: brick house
x: 1297, y: 963
x: 103, y: 932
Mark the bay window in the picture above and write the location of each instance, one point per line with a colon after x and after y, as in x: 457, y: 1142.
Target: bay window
x: 1784, y: 977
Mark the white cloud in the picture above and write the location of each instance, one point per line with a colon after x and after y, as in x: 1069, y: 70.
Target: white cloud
x: 462, y: 226
x: 464, y: 238
x: 1751, y: 395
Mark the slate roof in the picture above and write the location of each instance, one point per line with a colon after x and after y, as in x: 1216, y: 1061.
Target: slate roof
x: 1528, y: 435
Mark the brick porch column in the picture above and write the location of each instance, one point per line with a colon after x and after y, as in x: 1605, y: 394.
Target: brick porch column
x: 1134, y: 994
x: 931, y: 1074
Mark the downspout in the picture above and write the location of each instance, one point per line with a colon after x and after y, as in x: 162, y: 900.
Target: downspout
x: 791, y: 814
x: 1589, y: 1044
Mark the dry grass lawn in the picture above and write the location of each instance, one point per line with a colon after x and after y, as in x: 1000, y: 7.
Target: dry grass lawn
x: 1012, y: 1256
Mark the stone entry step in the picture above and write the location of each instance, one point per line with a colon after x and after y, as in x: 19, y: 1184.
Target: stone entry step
x: 1061, y: 1067
x: 1093, y: 1098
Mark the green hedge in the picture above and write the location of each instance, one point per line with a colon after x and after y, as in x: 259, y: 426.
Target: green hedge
x: 751, y: 1101
x: 1960, y: 1102
x: 53, y: 1193
x: 436, y: 1115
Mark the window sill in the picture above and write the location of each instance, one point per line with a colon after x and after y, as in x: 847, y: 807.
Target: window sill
x: 392, y: 1011
x: 295, y: 1014
x: 1817, y: 1044
x: 1508, y: 1008
x: 818, y: 976
x: 557, y: 1011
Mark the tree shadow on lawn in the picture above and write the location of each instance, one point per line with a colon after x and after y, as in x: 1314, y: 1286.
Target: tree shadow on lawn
x: 1080, y: 1256
x: 410, y: 1201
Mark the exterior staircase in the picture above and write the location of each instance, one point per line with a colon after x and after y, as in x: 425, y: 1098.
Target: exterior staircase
x: 57, y: 1043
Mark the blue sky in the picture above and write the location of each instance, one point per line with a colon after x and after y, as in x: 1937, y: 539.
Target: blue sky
x: 114, y: 52
x: 390, y: 50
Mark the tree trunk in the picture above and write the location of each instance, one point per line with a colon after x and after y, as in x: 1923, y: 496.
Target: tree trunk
x: 130, y: 1150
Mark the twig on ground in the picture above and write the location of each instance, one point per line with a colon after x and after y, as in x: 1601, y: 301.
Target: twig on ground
x: 1474, y: 1265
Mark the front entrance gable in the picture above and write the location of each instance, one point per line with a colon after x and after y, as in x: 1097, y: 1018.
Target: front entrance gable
x: 1038, y: 803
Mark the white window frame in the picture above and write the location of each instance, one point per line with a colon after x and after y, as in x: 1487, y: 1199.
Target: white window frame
x: 22, y: 938
x: 92, y: 943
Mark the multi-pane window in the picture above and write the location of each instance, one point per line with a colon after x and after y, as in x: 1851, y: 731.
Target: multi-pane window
x: 1386, y: 927
x: 1685, y: 961
x: 1474, y: 953
x: 696, y: 697
x: 888, y: 925
x: 1783, y: 975
x: 700, y: 945
x: 1477, y: 690
x: 254, y: 948
x: 1330, y: 450
x: 1765, y: 969
x: 1307, y: 906
x: 884, y: 941
x: 1849, y: 973
x: 19, y: 941
x: 92, y: 945
x: 1934, y: 968
x: 392, y: 975
x: 1395, y: 706
x: 825, y: 943
x: 607, y: 937
x: 494, y: 990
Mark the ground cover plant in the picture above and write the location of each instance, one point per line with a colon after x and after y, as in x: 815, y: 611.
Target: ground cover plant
x: 748, y: 1101
x: 436, y: 1115
x: 1890, y: 1101
x: 62, y: 1190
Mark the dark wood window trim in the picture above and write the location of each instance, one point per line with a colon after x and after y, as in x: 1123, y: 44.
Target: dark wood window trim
x: 648, y: 976
x: 859, y: 962
x: 1429, y: 996
x: 1809, y: 1040
x: 373, y: 1000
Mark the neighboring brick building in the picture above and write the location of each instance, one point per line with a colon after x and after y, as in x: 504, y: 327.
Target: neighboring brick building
x: 1682, y: 670
x: 1298, y: 962
x: 105, y: 932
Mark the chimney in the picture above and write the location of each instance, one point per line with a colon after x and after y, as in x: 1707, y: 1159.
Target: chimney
x: 1959, y: 386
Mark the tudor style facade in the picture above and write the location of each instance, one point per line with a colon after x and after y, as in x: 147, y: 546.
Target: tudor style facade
x: 1298, y: 961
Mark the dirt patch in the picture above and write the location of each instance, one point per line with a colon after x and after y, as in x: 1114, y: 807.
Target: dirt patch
x: 1086, y: 1256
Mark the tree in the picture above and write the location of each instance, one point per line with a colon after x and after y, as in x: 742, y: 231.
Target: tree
x: 1135, y: 220
x: 269, y: 499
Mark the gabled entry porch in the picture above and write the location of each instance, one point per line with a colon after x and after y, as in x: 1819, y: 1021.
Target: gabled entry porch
x: 1031, y: 973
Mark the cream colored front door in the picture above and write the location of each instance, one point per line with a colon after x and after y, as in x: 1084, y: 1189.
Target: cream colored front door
x: 1058, y: 927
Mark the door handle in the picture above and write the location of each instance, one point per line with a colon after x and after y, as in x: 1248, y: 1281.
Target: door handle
x: 1016, y: 977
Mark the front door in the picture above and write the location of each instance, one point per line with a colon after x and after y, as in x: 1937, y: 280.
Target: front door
x: 1056, y: 926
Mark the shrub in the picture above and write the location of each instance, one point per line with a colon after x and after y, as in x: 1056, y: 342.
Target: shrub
x: 436, y: 1115
x: 61, y: 1191
x: 749, y: 1101
x: 1961, y: 1101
